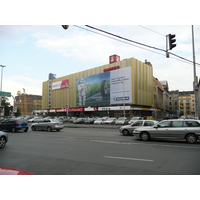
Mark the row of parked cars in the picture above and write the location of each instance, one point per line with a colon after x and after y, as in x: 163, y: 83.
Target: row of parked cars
x: 184, y: 129
x: 103, y: 120
x: 16, y: 124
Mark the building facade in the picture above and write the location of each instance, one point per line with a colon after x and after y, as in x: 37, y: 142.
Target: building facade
x: 27, y: 103
x: 187, y: 103
x: 174, y: 102
x: 158, y: 100
x: 119, y: 88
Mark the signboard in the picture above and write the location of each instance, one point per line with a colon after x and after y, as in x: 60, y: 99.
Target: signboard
x: 60, y: 84
x: 111, y: 87
x: 5, y: 94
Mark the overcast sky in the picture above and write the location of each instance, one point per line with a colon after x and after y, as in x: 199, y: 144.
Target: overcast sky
x: 31, y: 52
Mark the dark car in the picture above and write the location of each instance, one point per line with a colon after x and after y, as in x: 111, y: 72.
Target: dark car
x: 14, y: 125
x: 89, y: 121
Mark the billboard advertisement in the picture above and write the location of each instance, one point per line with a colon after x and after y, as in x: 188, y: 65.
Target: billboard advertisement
x: 60, y: 84
x: 111, y: 87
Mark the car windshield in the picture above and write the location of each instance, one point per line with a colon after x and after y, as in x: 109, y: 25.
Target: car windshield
x: 121, y: 118
x: 55, y: 120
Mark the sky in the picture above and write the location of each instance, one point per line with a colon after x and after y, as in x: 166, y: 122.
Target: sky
x: 31, y: 52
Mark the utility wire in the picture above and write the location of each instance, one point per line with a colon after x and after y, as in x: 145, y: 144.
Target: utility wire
x: 128, y: 43
x: 139, y: 43
x: 152, y: 30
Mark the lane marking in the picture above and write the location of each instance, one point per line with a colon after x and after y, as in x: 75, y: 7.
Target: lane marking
x: 151, y: 144
x: 123, y: 158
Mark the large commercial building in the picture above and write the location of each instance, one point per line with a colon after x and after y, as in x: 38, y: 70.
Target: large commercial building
x: 122, y: 87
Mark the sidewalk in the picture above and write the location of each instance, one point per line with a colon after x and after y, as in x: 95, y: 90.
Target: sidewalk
x: 71, y: 125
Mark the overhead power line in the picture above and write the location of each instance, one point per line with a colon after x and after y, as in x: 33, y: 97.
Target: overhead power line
x: 128, y: 43
x: 132, y: 41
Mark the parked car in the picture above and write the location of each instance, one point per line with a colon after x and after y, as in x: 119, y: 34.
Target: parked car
x: 47, y: 125
x: 122, y: 121
x: 79, y: 121
x: 63, y: 119
x: 188, y: 130
x: 3, y: 139
x: 109, y: 121
x: 98, y: 121
x: 72, y: 119
x: 128, y: 129
x: 35, y: 119
x: 134, y: 119
x: 14, y: 125
x: 89, y: 120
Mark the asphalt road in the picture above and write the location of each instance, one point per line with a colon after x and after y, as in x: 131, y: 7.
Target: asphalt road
x: 97, y: 151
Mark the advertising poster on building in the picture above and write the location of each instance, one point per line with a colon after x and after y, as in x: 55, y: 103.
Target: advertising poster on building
x: 60, y: 84
x: 111, y: 87
x: 121, y: 86
x: 93, y: 90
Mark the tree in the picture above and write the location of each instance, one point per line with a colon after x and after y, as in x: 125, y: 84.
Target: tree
x: 8, y: 107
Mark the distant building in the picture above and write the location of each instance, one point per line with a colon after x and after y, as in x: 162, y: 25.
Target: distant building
x: 158, y: 99
x: 187, y: 103
x: 27, y: 103
x: 174, y: 102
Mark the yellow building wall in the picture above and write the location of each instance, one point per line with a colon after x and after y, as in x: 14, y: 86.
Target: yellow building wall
x: 142, y: 85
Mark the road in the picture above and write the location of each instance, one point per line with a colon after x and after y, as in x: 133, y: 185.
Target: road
x: 97, y: 151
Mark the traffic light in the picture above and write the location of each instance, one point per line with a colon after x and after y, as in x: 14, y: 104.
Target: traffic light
x: 172, y: 41
x: 65, y: 26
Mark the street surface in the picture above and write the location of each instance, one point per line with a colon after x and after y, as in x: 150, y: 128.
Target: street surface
x: 97, y: 151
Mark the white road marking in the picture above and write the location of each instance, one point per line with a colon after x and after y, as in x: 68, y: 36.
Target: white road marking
x: 123, y: 158
x: 143, y: 143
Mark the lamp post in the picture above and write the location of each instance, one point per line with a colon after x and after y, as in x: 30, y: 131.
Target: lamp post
x: 195, y: 78
x: 2, y: 66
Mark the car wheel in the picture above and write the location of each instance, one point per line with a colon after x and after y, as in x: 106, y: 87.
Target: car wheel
x: 145, y: 136
x: 25, y: 130
x: 49, y: 129
x: 33, y: 128
x: 125, y: 132
x: 191, y: 138
x: 2, y: 142
x: 13, y: 130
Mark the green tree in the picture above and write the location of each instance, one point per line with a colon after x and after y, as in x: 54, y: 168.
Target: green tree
x: 8, y: 107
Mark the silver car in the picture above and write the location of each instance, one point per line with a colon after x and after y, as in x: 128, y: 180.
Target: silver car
x: 188, y: 130
x: 122, y: 121
x: 47, y: 125
x: 128, y: 129
x: 109, y: 121
x: 134, y: 119
x: 3, y: 139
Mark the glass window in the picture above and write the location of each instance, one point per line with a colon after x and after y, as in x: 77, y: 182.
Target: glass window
x: 138, y: 123
x: 164, y: 124
x: 191, y: 124
x: 177, y: 123
x: 148, y: 123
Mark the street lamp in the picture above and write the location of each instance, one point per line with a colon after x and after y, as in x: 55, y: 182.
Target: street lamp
x: 2, y: 66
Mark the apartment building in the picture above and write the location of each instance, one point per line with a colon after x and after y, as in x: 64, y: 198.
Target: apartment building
x: 187, y: 103
x: 27, y: 103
